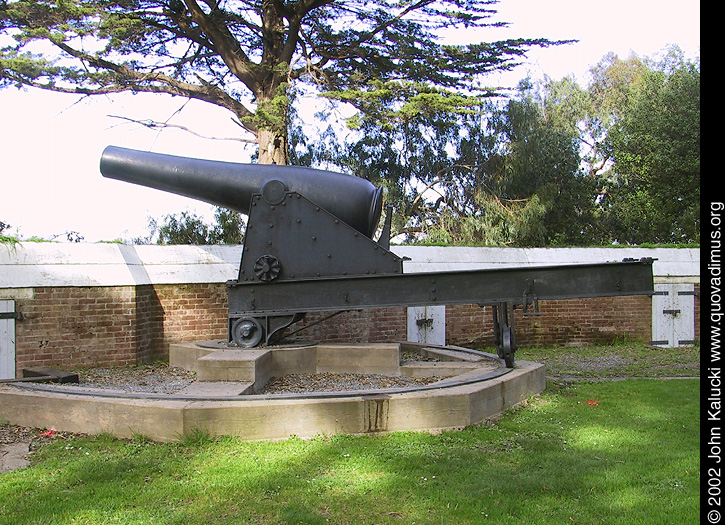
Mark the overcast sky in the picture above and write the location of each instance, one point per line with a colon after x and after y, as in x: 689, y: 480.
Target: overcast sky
x: 51, y: 144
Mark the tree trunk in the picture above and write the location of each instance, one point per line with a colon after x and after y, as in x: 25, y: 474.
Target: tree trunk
x: 272, y: 148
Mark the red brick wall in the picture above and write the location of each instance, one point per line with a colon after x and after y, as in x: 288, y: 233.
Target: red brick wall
x: 561, y: 322
x: 187, y: 312
x: 362, y: 326
x: 112, y: 326
x: 84, y: 326
x: 115, y: 326
x: 564, y: 322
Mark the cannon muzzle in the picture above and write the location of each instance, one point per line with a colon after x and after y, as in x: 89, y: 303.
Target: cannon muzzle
x: 231, y: 185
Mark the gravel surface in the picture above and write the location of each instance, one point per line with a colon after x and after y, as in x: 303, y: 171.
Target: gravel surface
x: 156, y: 379
x: 162, y: 379
x: 326, y: 382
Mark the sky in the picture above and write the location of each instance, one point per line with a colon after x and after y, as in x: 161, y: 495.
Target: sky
x: 51, y: 144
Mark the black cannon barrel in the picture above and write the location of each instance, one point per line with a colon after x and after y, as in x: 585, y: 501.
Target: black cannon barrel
x: 231, y: 185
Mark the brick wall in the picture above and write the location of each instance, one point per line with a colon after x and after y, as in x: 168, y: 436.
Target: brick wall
x: 561, y: 322
x: 114, y: 326
x: 84, y: 326
x: 361, y: 326
x: 187, y: 312
x: 70, y: 327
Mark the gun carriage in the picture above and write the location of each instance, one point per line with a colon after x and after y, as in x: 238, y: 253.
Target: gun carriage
x: 309, y: 247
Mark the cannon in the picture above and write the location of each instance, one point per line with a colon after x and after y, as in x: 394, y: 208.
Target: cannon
x: 308, y: 247
x: 231, y: 185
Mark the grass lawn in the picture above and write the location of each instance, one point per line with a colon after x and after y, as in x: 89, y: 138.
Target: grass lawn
x: 583, y: 452
x: 615, y: 361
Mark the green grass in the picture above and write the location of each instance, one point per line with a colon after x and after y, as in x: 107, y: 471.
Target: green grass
x: 584, y: 452
x: 624, y: 360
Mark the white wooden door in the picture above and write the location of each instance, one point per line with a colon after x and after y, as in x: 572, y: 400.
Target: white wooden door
x: 7, y: 339
x: 427, y: 324
x: 673, y: 315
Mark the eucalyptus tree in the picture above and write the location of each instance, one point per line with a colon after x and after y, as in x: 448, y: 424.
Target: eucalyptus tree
x: 654, y: 187
x: 637, y: 122
x: 499, y: 174
x: 251, y: 57
x: 189, y: 228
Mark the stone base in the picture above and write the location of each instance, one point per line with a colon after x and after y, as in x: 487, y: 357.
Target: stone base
x: 477, y: 388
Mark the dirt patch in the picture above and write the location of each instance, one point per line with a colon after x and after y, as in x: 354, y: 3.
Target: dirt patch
x: 18, y: 443
x: 14, y: 456
x: 600, y: 363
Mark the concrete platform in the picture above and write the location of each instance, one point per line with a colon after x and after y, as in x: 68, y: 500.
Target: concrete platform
x: 477, y: 387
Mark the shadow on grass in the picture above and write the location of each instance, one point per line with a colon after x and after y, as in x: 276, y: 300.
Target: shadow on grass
x: 616, y: 452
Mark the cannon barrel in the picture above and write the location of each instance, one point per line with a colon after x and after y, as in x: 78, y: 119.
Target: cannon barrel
x: 353, y: 200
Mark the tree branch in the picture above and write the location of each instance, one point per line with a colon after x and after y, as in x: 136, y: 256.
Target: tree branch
x: 154, y: 82
x: 152, y: 124
x: 226, y: 46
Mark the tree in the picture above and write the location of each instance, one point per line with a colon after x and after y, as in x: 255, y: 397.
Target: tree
x: 189, y: 228
x: 498, y: 174
x: 252, y: 57
x: 654, y: 195
x: 589, y: 112
x: 637, y: 123
x: 543, y: 162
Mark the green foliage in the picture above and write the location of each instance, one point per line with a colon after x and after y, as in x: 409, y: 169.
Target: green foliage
x: 655, y: 188
x: 196, y: 437
x: 557, y: 164
x: 71, y: 236
x: 386, y: 104
x: 247, y: 57
x: 543, y: 162
x: 228, y: 227
x: 189, y: 228
x: 638, y: 125
x: 273, y: 114
x: 6, y: 239
x: 490, y: 174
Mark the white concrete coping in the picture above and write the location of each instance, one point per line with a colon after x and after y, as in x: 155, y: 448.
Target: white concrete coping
x: 53, y: 264
x: 30, y: 264
x: 670, y: 262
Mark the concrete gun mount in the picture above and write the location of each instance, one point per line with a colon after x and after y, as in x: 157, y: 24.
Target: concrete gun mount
x: 308, y: 247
